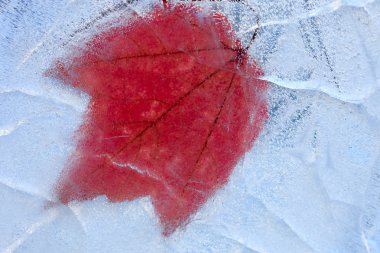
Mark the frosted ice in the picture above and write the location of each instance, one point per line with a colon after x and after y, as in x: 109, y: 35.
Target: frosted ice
x: 310, y: 184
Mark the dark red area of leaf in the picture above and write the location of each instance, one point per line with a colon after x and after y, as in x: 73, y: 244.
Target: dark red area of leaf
x: 174, y: 106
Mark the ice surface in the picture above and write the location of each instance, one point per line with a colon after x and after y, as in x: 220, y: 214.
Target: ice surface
x: 310, y: 184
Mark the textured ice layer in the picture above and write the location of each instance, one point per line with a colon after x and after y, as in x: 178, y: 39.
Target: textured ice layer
x: 310, y: 184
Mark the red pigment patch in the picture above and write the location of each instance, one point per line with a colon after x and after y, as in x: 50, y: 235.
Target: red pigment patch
x: 174, y: 106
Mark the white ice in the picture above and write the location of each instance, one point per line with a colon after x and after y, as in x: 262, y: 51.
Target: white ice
x: 310, y: 184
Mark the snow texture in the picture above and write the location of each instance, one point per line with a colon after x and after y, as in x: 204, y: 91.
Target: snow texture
x: 310, y: 184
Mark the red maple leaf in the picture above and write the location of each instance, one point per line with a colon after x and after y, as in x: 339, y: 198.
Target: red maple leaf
x: 175, y: 104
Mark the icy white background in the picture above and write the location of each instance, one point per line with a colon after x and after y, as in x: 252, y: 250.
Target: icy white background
x: 310, y: 184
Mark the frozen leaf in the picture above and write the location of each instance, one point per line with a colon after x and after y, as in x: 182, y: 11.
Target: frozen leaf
x: 175, y: 103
